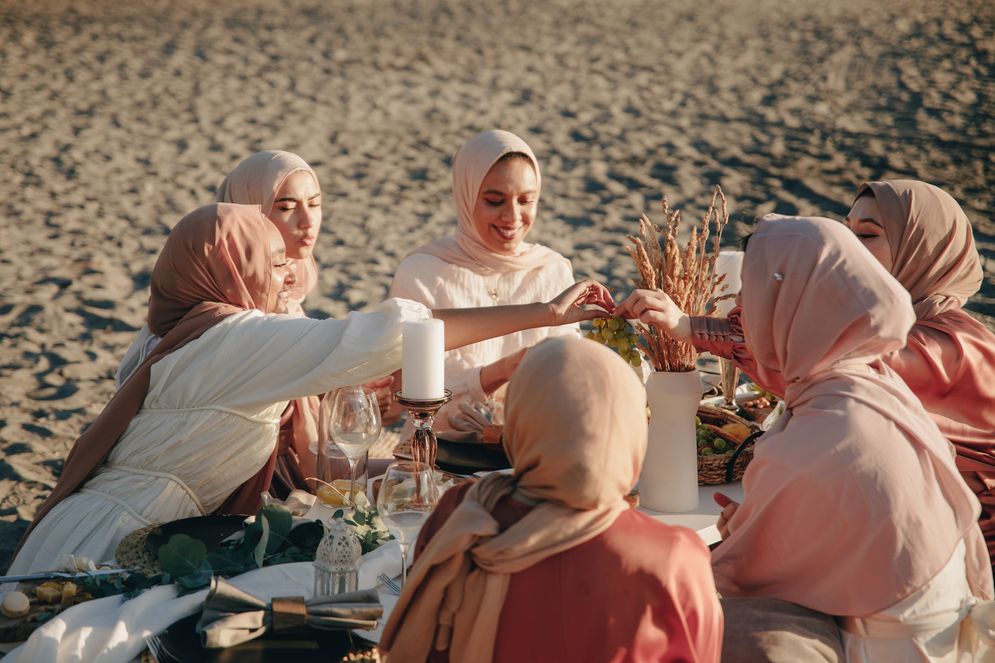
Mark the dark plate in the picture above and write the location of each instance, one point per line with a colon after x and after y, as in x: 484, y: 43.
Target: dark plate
x: 212, y: 530
x: 181, y: 643
x: 469, y: 457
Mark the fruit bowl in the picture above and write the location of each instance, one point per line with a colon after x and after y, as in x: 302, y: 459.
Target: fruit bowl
x: 725, y: 445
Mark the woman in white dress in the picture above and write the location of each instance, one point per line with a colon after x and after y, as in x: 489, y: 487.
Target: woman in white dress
x: 286, y: 188
x: 496, y: 187
x: 195, y: 426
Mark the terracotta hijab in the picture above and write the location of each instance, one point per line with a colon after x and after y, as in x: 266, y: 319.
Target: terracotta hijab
x: 216, y: 262
x: 575, y: 455
x: 256, y: 180
x: 466, y: 248
x: 820, y: 310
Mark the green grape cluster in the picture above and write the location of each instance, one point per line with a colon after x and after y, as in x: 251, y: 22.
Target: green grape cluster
x: 619, y: 335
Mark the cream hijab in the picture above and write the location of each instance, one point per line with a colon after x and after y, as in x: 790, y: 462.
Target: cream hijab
x: 466, y: 248
x: 576, y: 436
x: 256, y: 181
x: 932, y: 244
x: 819, y: 309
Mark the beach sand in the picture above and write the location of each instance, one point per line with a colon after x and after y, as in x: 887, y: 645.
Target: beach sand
x: 117, y: 118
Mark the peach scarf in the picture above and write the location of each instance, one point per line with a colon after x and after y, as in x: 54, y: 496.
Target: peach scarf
x: 466, y: 248
x: 932, y: 245
x: 820, y: 310
x: 576, y: 436
x: 256, y: 181
x: 216, y: 262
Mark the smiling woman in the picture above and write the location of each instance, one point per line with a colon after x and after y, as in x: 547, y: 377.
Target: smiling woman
x: 486, y: 262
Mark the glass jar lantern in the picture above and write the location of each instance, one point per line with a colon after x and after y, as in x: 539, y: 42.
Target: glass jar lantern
x: 336, y: 561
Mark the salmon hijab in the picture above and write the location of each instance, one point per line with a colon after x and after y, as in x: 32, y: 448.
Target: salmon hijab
x: 466, y: 248
x: 932, y: 244
x: 819, y: 309
x: 574, y: 455
x: 216, y: 262
x: 255, y: 181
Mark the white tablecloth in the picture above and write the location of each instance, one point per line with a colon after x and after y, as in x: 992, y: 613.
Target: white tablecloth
x: 112, y: 629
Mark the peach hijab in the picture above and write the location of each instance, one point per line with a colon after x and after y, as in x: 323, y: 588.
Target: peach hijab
x: 819, y: 309
x: 466, y: 248
x: 256, y: 181
x: 932, y: 244
x: 216, y: 262
x: 574, y: 454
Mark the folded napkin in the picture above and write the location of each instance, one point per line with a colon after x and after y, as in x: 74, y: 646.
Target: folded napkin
x: 232, y: 616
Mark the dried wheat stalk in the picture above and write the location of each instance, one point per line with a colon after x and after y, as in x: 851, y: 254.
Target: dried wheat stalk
x: 686, y: 274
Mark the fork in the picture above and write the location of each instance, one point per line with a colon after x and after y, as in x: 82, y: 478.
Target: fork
x: 390, y: 584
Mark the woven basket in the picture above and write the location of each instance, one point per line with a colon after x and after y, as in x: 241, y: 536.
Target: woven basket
x: 730, y: 466
x: 133, y: 553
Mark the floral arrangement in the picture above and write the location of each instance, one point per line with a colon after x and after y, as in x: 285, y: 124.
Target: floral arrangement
x: 686, y: 273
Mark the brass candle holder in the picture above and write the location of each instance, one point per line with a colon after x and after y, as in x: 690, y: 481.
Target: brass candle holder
x: 424, y: 444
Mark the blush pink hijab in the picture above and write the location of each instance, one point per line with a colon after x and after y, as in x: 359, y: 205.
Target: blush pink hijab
x: 574, y: 454
x: 853, y: 500
x: 466, y: 248
x: 256, y: 181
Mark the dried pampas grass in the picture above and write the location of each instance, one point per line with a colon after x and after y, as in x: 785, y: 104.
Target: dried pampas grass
x: 686, y: 274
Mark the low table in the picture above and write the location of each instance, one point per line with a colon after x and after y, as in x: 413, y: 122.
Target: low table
x: 703, y: 519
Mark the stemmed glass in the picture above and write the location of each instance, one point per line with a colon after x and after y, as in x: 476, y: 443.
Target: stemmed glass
x: 350, y: 416
x: 728, y: 380
x: 407, y: 495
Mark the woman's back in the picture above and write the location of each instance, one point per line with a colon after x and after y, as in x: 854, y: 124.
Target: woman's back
x: 639, y: 591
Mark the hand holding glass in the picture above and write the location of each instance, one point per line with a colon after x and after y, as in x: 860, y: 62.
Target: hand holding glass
x: 350, y: 417
x: 406, y: 498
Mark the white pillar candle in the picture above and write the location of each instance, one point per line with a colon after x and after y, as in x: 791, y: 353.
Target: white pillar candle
x: 729, y: 263
x: 423, y: 347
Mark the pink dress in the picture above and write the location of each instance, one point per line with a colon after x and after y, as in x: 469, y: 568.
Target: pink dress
x: 639, y: 591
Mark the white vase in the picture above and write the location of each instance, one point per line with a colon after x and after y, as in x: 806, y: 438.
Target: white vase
x: 669, y: 481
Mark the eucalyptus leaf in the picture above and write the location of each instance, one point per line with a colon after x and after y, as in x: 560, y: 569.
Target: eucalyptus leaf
x: 197, y: 579
x: 182, y: 555
x: 259, y: 554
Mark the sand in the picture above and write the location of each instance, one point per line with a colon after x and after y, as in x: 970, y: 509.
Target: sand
x: 116, y: 118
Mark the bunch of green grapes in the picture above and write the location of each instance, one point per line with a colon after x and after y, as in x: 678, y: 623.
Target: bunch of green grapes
x: 618, y: 335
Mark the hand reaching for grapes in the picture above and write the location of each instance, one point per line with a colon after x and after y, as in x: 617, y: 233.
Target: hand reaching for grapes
x: 655, y: 307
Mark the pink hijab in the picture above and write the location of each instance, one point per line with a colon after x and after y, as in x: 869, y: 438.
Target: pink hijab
x: 819, y: 309
x: 932, y: 245
x: 256, y: 181
x: 466, y: 248
x: 575, y: 455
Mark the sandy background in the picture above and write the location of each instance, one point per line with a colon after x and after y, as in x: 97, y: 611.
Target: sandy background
x: 117, y: 118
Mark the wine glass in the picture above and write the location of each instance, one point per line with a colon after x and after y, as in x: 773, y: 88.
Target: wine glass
x: 407, y: 495
x: 351, y: 418
x: 728, y: 380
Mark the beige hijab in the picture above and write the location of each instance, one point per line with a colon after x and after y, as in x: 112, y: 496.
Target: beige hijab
x: 932, y: 245
x: 576, y: 436
x: 466, y: 248
x: 256, y: 181
x: 820, y: 310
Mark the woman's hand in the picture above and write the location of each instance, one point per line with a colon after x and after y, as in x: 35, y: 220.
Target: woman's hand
x: 382, y: 388
x: 729, y: 508
x: 655, y: 307
x: 568, y: 306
